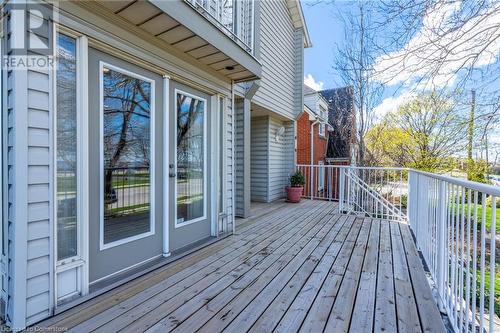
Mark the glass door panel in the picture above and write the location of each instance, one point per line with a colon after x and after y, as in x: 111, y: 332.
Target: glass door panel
x: 126, y: 141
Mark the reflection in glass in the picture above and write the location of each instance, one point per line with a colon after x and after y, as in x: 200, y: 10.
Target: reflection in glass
x: 66, y: 150
x: 190, y: 158
x: 126, y: 141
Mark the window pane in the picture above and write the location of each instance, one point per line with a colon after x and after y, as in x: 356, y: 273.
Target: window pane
x: 126, y: 142
x: 66, y: 148
x: 190, y: 158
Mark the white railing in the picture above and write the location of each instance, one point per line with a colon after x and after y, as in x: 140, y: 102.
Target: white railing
x: 376, y: 192
x: 454, y: 222
x: 455, y: 229
x: 322, y: 181
x: 233, y: 17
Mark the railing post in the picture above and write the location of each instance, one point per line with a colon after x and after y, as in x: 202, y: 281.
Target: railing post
x: 441, y: 245
x: 341, y: 189
x: 311, y: 180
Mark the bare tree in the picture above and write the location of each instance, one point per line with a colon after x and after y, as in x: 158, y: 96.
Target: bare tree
x: 439, y: 43
x: 354, y: 64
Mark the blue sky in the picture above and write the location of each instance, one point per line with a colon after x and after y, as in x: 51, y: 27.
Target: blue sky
x: 326, y: 29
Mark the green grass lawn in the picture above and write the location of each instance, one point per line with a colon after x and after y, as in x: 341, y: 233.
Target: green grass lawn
x: 130, y: 181
x: 487, y: 288
x: 488, y: 217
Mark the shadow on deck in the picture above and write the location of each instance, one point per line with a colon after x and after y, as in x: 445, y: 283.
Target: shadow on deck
x: 302, y: 267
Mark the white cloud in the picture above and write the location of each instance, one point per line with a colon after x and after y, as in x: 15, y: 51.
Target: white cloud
x: 436, y: 53
x: 312, y: 83
x: 391, y: 104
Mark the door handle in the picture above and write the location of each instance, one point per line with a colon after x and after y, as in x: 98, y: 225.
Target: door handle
x: 172, y: 174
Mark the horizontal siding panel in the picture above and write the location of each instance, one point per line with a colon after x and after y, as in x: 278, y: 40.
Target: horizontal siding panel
x: 38, y: 193
x: 38, y: 99
x: 38, y: 81
x: 38, y: 156
x: 37, y: 304
x: 38, y: 248
x: 37, y: 285
x: 38, y: 229
x: 38, y: 137
x: 38, y: 118
x: 38, y: 174
x: 38, y: 211
x: 37, y: 266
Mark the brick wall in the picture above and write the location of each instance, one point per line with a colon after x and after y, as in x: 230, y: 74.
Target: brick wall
x: 304, y: 141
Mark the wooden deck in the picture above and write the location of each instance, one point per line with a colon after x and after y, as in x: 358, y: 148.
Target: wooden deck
x: 302, y: 268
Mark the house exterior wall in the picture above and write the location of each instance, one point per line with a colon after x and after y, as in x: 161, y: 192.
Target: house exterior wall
x: 259, y: 159
x: 29, y: 188
x: 30, y: 150
x: 278, y: 169
x: 279, y: 47
x: 304, y: 141
x: 281, y: 52
x: 239, y: 166
x: 272, y: 158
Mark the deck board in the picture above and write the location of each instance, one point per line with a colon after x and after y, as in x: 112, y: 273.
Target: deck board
x: 298, y: 268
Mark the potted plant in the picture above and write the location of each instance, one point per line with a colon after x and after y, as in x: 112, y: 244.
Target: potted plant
x: 294, y: 191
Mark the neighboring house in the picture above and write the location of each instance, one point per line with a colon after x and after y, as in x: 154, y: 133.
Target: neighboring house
x: 163, y: 121
x: 342, y: 117
x: 313, y: 129
x: 313, y: 132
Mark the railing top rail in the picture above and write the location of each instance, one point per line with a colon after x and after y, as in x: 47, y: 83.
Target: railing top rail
x: 485, y: 188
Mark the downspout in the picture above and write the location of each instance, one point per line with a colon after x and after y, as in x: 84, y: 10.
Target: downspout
x: 311, y: 168
x: 312, y: 139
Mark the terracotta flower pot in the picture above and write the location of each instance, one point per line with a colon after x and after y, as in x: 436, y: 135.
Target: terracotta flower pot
x: 293, y: 194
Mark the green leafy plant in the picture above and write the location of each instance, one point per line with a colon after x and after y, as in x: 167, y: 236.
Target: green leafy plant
x: 297, y: 179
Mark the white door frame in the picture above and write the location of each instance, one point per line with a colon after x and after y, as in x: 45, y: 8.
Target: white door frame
x: 73, y: 272
x: 166, y: 161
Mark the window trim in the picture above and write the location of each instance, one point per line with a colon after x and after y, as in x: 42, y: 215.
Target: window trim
x: 151, y: 232
x: 321, y: 168
x: 79, y: 246
x: 320, y: 127
x: 204, y: 216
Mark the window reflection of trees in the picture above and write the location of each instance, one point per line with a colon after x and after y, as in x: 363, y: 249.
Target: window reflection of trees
x: 126, y: 141
x: 190, y: 157
x: 189, y: 132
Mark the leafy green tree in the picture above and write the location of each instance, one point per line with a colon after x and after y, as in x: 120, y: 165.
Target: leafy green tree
x: 423, y: 133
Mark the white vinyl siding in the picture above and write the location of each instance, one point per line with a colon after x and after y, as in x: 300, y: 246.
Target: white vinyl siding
x: 29, y: 191
x: 281, y: 157
x: 229, y: 190
x: 239, y: 161
x: 281, y: 55
x: 258, y: 159
x: 39, y: 198
x: 272, y: 158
